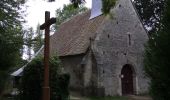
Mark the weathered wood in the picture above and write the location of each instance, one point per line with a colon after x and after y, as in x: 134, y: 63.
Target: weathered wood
x: 48, y: 23
x: 46, y: 88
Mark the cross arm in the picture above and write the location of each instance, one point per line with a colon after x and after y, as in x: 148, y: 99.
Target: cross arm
x: 48, y: 23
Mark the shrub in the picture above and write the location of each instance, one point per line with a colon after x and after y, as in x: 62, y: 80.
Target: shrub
x: 32, y: 81
x: 3, y: 78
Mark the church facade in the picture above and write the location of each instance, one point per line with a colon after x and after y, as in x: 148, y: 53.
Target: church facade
x: 103, y: 54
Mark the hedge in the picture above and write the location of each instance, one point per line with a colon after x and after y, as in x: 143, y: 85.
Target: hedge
x: 32, y: 81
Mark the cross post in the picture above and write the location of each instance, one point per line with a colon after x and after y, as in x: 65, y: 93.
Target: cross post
x: 46, y: 26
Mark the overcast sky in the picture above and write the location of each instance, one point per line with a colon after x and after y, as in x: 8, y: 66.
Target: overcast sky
x: 36, y: 10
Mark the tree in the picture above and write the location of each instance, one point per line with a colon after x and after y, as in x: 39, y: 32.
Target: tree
x: 29, y: 41
x: 33, y: 40
x: 38, y: 39
x: 150, y: 12
x: 10, y: 37
x: 157, y: 57
x: 67, y: 12
x: 76, y: 3
x: 107, y: 4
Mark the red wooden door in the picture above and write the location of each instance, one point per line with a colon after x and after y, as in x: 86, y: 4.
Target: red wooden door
x: 127, y: 80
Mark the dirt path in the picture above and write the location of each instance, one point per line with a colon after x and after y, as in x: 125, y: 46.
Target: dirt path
x: 77, y: 96
x: 133, y: 97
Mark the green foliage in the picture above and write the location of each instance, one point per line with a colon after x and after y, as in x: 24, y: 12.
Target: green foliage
x: 38, y: 39
x: 61, y: 87
x: 11, y: 40
x: 157, y: 57
x: 32, y: 81
x: 29, y: 41
x: 77, y: 3
x: 150, y: 12
x: 33, y: 40
x: 107, y: 5
x: 3, y: 76
x: 67, y: 12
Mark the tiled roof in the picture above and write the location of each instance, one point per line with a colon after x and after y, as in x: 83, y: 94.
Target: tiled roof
x: 73, y: 36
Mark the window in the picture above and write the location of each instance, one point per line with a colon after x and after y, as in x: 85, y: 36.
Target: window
x: 129, y: 39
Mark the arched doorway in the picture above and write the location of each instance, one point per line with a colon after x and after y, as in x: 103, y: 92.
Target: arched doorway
x: 127, y: 80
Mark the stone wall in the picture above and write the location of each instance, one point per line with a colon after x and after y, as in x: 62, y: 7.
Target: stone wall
x: 91, y: 76
x: 119, y: 41
x: 72, y: 66
x: 83, y: 71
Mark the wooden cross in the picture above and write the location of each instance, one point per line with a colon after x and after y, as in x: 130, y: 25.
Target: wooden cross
x: 48, y: 21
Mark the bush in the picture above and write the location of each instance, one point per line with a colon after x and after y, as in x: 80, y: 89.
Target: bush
x: 32, y: 81
x: 157, y: 58
x: 3, y: 78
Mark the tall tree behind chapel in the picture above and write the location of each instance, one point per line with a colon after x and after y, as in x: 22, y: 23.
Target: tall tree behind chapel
x: 150, y: 12
x: 11, y: 37
x: 157, y: 57
x: 38, y: 39
x: 67, y: 12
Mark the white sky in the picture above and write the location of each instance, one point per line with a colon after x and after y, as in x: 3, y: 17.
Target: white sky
x: 35, y: 11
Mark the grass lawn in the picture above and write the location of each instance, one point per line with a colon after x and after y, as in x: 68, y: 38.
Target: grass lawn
x: 109, y: 98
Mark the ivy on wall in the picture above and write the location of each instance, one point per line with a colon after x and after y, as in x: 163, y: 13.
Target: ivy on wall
x: 107, y: 5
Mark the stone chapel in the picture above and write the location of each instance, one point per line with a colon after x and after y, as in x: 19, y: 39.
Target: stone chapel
x: 103, y: 54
